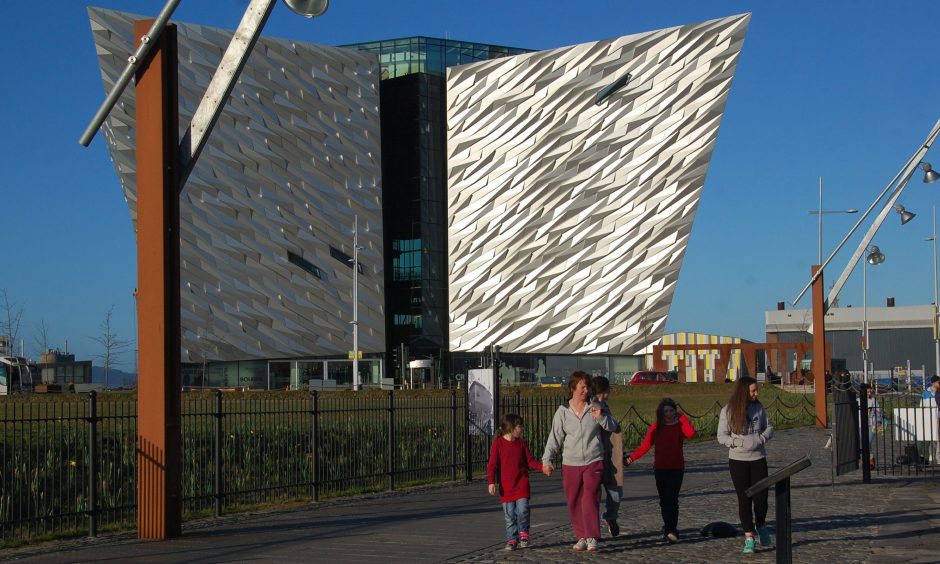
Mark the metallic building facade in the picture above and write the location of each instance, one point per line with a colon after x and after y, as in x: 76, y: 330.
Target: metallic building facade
x: 267, y: 214
x: 568, y: 220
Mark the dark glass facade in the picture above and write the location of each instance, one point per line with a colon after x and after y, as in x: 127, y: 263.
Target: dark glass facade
x: 414, y: 187
x: 429, y: 55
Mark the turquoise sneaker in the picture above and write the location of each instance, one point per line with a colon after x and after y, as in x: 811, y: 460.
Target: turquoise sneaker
x: 748, y: 545
x: 765, y: 538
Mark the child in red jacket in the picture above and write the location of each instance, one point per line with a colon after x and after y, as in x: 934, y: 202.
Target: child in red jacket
x: 512, y: 458
x: 668, y: 433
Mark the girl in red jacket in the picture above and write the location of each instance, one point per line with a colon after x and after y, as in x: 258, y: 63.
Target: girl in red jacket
x: 668, y: 433
x: 512, y: 458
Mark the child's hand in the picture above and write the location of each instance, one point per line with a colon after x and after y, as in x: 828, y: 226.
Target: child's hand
x: 547, y: 469
x: 492, y: 489
x: 627, y: 461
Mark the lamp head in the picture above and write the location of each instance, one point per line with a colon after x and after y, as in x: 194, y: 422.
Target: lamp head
x: 930, y: 175
x: 308, y: 8
x: 905, y: 215
x: 875, y: 256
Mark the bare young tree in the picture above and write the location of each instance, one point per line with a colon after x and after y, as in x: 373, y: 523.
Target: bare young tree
x: 41, y: 337
x: 12, y: 316
x: 112, y: 345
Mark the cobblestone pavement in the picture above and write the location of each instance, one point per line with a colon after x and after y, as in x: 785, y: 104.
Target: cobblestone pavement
x: 835, y: 520
x: 841, y: 520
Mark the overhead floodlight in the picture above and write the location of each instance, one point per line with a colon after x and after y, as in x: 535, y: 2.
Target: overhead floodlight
x: 608, y: 90
x: 905, y: 215
x: 875, y: 256
x: 930, y: 175
x: 308, y: 8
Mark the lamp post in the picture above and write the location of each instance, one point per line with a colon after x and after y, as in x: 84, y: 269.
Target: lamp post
x: 355, y: 322
x: 936, y: 311
x: 820, y: 213
x: 875, y: 257
x: 163, y: 165
x: 893, y: 191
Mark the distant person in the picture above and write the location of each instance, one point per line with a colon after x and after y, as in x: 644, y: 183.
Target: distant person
x: 576, y: 431
x: 874, y: 421
x: 612, y: 484
x: 935, y: 389
x: 511, y: 458
x: 744, y: 428
x: 667, y: 434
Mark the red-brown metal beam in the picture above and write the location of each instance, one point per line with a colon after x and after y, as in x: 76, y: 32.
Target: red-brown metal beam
x: 820, y: 356
x: 159, y: 461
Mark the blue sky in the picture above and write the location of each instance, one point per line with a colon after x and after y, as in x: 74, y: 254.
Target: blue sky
x: 846, y: 90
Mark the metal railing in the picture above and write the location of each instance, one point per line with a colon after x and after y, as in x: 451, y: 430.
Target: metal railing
x: 901, y: 432
x: 68, y: 466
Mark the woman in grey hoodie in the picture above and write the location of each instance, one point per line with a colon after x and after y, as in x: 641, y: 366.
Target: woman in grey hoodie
x: 577, y: 429
x: 743, y: 427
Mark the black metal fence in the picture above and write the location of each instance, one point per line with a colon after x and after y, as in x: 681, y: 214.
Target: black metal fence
x: 68, y: 466
x: 901, y: 430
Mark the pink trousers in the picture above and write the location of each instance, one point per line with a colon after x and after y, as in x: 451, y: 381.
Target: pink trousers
x: 582, y: 490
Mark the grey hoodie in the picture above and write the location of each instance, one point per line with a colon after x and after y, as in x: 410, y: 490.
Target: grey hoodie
x: 581, y: 439
x: 750, y: 444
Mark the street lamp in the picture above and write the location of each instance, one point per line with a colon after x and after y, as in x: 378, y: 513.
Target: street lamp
x: 308, y: 8
x: 163, y: 166
x: 820, y: 213
x: 905, y: 215
x: 355, y: 322
x: 892, y: 191
x: 936, y: 311
x: 875, y: 257
x: 930, y: 175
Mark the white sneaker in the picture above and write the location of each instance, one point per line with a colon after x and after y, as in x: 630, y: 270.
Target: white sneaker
x: 580, y: 545
x: 592, y: 545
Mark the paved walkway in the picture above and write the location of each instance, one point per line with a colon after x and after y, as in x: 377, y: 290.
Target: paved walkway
x: 890, y: 520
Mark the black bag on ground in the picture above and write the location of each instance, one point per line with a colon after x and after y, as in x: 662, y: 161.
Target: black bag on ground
x: 719, y: 530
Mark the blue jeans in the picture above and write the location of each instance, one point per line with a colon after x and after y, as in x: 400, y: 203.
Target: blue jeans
x: 516, y: 515
x: 612, y: 495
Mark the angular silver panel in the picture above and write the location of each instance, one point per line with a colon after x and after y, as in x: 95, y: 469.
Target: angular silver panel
x: 294, y: 156
x: 569, y: 220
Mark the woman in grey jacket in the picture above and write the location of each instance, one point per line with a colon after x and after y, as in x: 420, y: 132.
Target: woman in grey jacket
x: 744, y: 428
x: 577, y: 429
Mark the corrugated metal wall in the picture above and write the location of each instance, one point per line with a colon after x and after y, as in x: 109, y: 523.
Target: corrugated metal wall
x: 889, y: 347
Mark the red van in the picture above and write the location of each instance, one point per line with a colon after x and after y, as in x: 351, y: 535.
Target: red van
x: 653, y: 377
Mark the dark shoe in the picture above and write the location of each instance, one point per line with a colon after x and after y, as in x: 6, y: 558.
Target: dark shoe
x: 764, y: 536
x: 613, y: 528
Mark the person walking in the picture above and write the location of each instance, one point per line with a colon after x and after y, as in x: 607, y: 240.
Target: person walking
x: 511, y: 458
x: 612, y: 483
x: 744, y: 428
x: 875, y: 421
x: 577, y: 426
x: 667, y: 434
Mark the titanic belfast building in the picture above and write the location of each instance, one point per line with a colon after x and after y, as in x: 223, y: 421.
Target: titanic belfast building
x: 538, y: 201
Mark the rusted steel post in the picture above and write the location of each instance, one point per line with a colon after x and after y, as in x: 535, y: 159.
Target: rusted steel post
x: 159, y: 508
x: 820, y: 358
